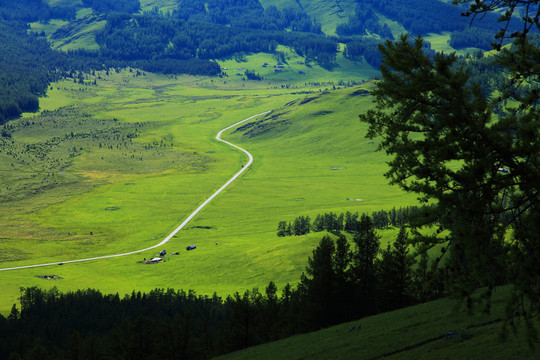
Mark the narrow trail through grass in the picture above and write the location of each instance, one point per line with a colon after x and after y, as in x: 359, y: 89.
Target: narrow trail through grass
x: 184, y: 223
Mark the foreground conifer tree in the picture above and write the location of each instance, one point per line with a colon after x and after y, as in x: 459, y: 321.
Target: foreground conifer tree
x: 477, y: 158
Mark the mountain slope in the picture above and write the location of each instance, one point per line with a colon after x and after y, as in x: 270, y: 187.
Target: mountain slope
x: 434, y: 330
x: 328, y: 13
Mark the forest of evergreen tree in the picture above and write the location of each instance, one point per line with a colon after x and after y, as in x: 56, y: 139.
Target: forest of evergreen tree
x: 344, y: 280
x: 189, y: 39
x: 177, y: 44
x: 350, y: 222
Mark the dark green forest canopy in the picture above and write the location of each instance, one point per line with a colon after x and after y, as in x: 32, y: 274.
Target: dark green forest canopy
x: 139, y: 37
x: 343, y: 281
x: 105, y: 6
x: 34, y: 10
x: 422, y: 17
x: 198, y: 32
x: 426, y: 16
x: 21, y: 80
x: 157, y: 44
x: 246, y: 14
x: 364, y: 20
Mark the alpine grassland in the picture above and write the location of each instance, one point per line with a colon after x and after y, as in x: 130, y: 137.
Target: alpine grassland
x: 328, y: 13
x: 73, y: 36
x: 163, y: 6
x: 114, y: 163
x: 384, y: 165
x: 433, y: 330
x: 440, y: 42
x: 287, y: 69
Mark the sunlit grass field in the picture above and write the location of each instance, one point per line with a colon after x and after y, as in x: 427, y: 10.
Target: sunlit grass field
x: 117, y: 195
x: 440, y: 42
x: 115, y: 167
x: 294, y: 73
x: 329, y: 13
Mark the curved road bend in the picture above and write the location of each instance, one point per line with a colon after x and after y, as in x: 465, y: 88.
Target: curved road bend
x: 184, y: 223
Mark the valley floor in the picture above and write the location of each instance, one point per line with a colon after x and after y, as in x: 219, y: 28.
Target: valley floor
x: 114, y: 167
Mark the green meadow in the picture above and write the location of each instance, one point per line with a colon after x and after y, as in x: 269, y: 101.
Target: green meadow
x: 162, y: 5
x: 440, y: 42
x: 329, y: 13
x: 295, y: 72
x: 115, y: 167
x: 115, y: 163
x: 434, y: 330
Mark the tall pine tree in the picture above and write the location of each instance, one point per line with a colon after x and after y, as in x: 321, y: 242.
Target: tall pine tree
x: 363, y: 270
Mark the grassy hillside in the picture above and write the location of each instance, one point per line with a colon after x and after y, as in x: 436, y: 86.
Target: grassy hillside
x: 71, y: 35
x: 116, y: 166
x: 329, y: 13
x: 435, y: 330
x: 440, y: 42
x: 98, y: 194
x: 164, y: 6
x: 294, y: 71
x: 78, y: 34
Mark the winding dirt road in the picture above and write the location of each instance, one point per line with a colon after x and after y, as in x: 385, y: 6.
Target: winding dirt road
x: 183, y: 224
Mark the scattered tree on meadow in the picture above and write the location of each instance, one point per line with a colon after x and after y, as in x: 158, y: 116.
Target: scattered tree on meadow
x: 282, y: 229
x: 252, y: 75
x: 301, y: 225
x: 349, y: 223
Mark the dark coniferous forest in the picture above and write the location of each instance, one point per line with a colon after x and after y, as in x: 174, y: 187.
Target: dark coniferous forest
x: 144, y: 41
x: 105, y: 6
x: 190, y: 38
x: 21, y: 80
x: 341, y: 283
